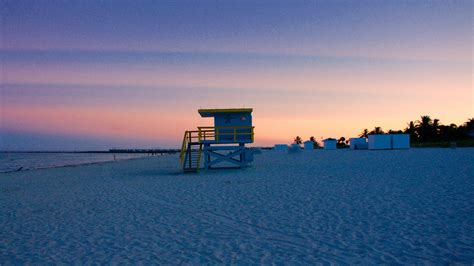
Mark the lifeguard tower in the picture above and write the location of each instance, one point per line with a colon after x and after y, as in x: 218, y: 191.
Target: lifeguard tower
x: 222, y: 144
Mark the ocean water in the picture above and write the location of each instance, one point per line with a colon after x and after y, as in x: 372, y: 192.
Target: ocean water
x: 13, y: 161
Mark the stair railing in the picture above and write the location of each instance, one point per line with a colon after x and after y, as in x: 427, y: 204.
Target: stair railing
x: 184, y: 147
x: 199, y: 158
x: 216, y: 134
x: 189, y: 137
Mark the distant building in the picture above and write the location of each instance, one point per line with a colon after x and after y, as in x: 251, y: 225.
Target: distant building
x: 358, y: 143
x: 294, y: 148
x: 308, y: 145
x: 380, y: 142
x: 281, y: 147
x: 400, y: 141
x: 330, y: 144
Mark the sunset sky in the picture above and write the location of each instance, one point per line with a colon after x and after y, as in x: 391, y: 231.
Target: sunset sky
x: 93, y: 75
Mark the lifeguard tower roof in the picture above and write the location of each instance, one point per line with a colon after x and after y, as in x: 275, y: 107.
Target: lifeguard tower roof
x: 214, y: 112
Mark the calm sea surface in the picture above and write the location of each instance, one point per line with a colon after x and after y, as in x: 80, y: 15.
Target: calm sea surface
x: 26, y: 160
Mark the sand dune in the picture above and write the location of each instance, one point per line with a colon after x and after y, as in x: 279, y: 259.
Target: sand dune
x: 400, y: 206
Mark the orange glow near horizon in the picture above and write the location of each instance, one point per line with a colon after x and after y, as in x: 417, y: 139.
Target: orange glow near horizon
x: 160, y: 106
x: 155, y: 125
x: 139, y: 124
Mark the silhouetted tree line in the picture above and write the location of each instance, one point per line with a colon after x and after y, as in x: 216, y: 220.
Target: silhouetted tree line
x: 430, y: 130
x: 421, y: 131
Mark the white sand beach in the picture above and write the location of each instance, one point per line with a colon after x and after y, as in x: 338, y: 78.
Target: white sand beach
x: 343, y: 206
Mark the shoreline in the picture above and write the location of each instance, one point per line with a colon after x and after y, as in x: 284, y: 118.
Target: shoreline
x: 75, y: 165
x: 172, y: 153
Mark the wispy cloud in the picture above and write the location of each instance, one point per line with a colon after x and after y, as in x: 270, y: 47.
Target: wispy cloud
x: 111, y: 56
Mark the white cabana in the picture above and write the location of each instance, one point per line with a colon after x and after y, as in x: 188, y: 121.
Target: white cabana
x: 281, y: 147
x: 400, y: 141
x: 330, y: 144
x: 358, y: 143
x: 294, y: 148
x: 380, y: 142
x: 308, y: 145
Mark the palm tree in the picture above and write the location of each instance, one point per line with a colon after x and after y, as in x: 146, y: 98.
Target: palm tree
x: 435, y: 128
x: 470, y: 127
x: 424, y: 128
x: 425, y: 121
x: 467, y: 129
x: 470, y: 123
x: 377, y: 131
x: 411, y: 129
x: 364, y: 133
x: 341, y: 140
x: 315, y: 142
x: 391, y: 131
x: 448, y: 133
x: 298, y: 140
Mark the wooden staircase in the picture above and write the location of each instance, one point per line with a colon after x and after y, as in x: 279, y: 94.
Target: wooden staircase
x: 191, y: 151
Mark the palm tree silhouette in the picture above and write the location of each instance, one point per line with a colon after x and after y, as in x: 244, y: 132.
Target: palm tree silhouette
x: 364, y: 133
x: 469, y: 123
x: 315, y: 142
x: 467, y: 129
x: 377, y: 131
x: 298, y: 140
x: 448, y: 132
x: 431, y: 130
x: 411, y: 129
x: 424, y: 129
x: 391, y: 131
x: 341, y: 140
x: 435, y: 128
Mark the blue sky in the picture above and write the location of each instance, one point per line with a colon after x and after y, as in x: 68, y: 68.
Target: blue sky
x: 143, y: 68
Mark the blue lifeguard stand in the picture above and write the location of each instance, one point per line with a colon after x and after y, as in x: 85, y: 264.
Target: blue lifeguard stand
x: 222, y: 144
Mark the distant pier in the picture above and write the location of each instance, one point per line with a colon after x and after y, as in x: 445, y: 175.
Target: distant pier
x: 149, y: 151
